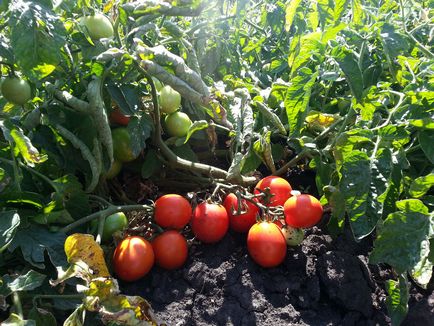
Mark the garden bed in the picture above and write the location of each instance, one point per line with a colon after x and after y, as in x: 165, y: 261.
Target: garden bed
x: 321, y: 282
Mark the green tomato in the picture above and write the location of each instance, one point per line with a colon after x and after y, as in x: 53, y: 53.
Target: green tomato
x: 170, y: 100
x: 98, y: 26
x: 16, y: 90
x: 114, y: 170
x: 292, y: 235
x: 177, y: 124
x: 122, y: 150
x: 113, y: 223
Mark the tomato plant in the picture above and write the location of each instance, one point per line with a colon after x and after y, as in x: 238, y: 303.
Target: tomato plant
x: 266, y: 244
x: 172, y: 211
x: 170, y: 249
x: 98, y: 26
x: 177, y: 124
x: 133, y: 258
x: 122, y: 150
x: 170, y: 100
x: 209, y: 222
x: 280, y: 190
x: 302, y: 211
x: 243, y: 221
x: 16, y: 90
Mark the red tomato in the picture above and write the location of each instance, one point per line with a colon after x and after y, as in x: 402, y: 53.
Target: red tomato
x: 266, y: 244
x: 302, y: 211
x: 133, y: 258
x: 117, y: 117
x: 170, y: 249
x: 279, y: 187
x: 210, y: 222
x: 242, y: 222
x: 172, y: 211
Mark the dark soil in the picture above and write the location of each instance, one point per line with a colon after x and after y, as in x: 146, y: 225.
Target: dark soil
x: 321, y: 282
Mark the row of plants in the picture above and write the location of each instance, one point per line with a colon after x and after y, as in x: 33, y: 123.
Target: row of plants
x: 200, y: 95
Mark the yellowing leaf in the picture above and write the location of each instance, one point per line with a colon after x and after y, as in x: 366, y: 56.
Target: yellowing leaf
x: 83, y: 248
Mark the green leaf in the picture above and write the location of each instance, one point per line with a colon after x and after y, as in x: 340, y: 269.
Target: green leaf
x: 37, y: 37
x: 34, y: 241
x: 18, y: 198
x: 394, y: 42
x: 140, y: 131
x: 357, y: 12
x: 151, y: 164
x: 126, y: 96
x: 42, y: 317
x: 297, y: 99
x: 15, y: 320
x: 403, y: 240
x: 348, y: 62
x: 9, y: 222
x: 70, y: 196
x: 421, y: 185
x: 412, y: 205
x: 28, y: 282
x: 339, y: 9
x: 397, y: 300
x: 291, y: 9
x: 196, y: 126
x: 77, y: 317
x: 426, y: 141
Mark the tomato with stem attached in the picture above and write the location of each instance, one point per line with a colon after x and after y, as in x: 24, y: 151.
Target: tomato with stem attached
x: 177, y: 124
x: 98, y: 26
x: 16, y: 90
x: 172, y: 211
x: 302, y: 211
x: 170, y: 249
x: 209, y: 222
x: 266, y: 244
x: 122, y: 150
x: 170, y: 100
x: 280, y: 190
x: 133, y: 258
x: 244, y: 221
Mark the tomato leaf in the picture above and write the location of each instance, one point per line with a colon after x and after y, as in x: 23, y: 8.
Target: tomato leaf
x: 397, y: 300
x: 421, y: 185
x: 37, y: 38
x: 16, y: 320
x: 42, y: 317
x: 30, y: 281
x: 426, y: 139
x: 140, y: 130
x: 297, y: 99
x: 34, y: 241
x: 9, y: 222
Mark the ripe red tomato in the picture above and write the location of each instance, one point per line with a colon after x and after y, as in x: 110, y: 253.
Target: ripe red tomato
x: 170, y: 249
x: 210, y: 222
x: 266, y: 244
x: 302, y: 211
x: 172, y: 211
x: 279, y: 187
x: 133, y: 258
x: 242, y: 222
x: 118, y: 118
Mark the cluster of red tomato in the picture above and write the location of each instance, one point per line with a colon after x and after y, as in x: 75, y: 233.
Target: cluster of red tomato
x: 266, y: 239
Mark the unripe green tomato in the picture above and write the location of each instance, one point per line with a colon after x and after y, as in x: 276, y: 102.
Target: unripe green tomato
x: 114, y: 170
x: 113, y: 223
x: 292, y: 235
x: 122, y: 150
x: 170, y: 100
x: 98, y: 26
x: 16, y: 90
x: 177, y: 124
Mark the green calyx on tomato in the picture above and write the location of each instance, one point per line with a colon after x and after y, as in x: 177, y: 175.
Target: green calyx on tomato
x: 122, y: 150
x: 98, y: 26
x: 16, y: 90
x: 244, y: 221
x: 280, y: 189
x: 170, y: 100
x: 178, y: 124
